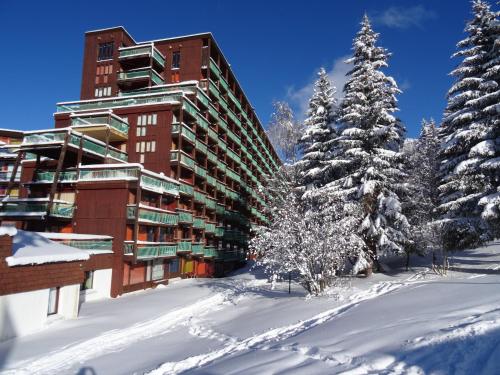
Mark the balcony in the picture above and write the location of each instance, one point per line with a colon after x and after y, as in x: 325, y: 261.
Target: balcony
x: 197, y: 248
x: 49, y: 143
x: 209, y: 228
x: 180, y: 157
x: 156, y: 251
x: 105, y: 245
x: 212, y: 156
x: 202, y: 122
x: 211, y: 203
x: 184, y: 131
x: 100, y: 126
x: 190, y: 108
x: 219, y: 231
x: 154, y: 216
x: 143, y: 77
x: 136, y: 56
x: 199, y: 171
x: 35, y: 208
x: 202, y: 147
x: 198, y: 223
x: 186, y: 189
x: 48, y: 177
x: 184, y: 246
x: 5, y: 176
x: 159, y: 185
x: 185, y: 217
x: 210, y: 180
x: 209, y: 252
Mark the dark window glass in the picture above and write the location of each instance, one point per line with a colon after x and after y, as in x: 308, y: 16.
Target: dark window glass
x: 176, y: 60
x: 105, y: 51
x: 174, y: 266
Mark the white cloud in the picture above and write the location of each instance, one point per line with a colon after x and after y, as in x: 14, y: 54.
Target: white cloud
x: 299, y: 98
x: 403, y: 18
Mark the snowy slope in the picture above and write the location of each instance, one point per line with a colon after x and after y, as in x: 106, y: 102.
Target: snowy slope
x: 401, y: 323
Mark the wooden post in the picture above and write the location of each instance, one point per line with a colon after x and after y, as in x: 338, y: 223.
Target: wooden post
x: 10, y: 185
x: 57, y: 172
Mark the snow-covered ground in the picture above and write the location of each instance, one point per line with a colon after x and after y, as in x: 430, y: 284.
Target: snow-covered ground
x: 401, y: 322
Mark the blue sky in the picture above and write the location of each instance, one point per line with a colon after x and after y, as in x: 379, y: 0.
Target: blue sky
x: 274, y: 47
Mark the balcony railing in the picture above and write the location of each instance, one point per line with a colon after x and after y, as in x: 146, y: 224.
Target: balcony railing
x: 210, y: 180
x: 144, y: 73
x: 212, y: 156
x: 185, y: 217
x: 48, y: 176
x: 57, y: 137
x: 189, y: 107
x: 6, y: 175
x: 200, y: 146
x: 197, y: 248
x: 211, y: 203
x: 182, y: 158
x: 160, y: 186
x: 186, y: 189
x: 209, y: 228
x: 104, y: 120
x: 34, y: 208
x: 91, y: 244
x: 184, y: 131
x: 138, y: 51
x: 209, y: 252
x: 149, y: 215
x: 198, y: 223
x: 183, y: 246
x: 202, y: 172
x: 155, y: 251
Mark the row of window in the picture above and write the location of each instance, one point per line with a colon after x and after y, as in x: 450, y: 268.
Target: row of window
x: 102, y: 91
x: 145, y: 146
x: 104, y: 69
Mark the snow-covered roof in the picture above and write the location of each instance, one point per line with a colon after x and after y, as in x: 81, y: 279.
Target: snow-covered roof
x: 33, y: 248
x: 73, y: 236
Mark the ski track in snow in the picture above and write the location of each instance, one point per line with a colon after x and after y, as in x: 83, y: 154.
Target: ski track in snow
x: 118, y: 339
x: 263, y: 340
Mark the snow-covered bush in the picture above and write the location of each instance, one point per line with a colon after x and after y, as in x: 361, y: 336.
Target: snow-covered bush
x: 311, y: 237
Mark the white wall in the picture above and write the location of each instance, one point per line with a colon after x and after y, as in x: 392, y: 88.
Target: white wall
x: 69, y: 297
x: 101, y: 287
x: 23, y: 313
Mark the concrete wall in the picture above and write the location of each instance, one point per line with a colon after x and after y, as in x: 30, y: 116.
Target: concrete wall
x: 25, y: 313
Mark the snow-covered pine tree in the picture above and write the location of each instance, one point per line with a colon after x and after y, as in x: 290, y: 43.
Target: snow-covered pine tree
x: 422, y: 198
x: 285, y: 132
x: 470, y: 134
x: 318, y: 136
x: 371, y: 139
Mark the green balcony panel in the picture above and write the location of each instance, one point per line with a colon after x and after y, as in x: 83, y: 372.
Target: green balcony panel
x: 199, y: 197
x: 62, y: 210
x: 202, y: 172
x: 184, y: 131
x: 147, y: 252
x: 219, y: 231
x: 202, y: 98
x: 198, y: 223
x: 210, y: 180
x: 185, y: 217
x: 209, y: 252
x: 212, y: 156
x: 91, y: 244
x: 189, y: 107
x: 211, y: 203
x: 197, y: 248
x: 182, y: 158
x: 209, y: 228
x: 212, y: 134
x: 167, y: 250
x: 183, y: 246
x: 220, y: 209
x: 200, y: 146
x: 186, y: 189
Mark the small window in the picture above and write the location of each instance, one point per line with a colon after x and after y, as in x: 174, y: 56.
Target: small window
x: 143, y: 146
x: 154, y: 119
x: 53, y: 301
x: 138, y: 145
x: 176, y: 60
x: 105, y: 51
x: 88, y: 281
x: 153, y: 146
x: 148, y: 146
x: 141, y: 159
x: 174, y: 266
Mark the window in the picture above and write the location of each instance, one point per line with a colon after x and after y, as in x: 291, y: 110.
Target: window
x: 176, y: 60
x: 105, y: 51
x: 141, y: 159
x: 143, y: 120
x: 102, y: 91
x: 53, y: 301
x: 174, y: 266
x: 88, y: 281
x: 175, y: 77
x: 158, y: 270
x: 151, y: 234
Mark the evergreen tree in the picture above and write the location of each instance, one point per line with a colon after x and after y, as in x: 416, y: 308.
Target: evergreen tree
x: 318, y: 135
x: 422, y: 164
x: 371, y: 138
x: 470, y: 134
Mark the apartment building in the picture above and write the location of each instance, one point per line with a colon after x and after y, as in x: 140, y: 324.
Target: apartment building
x: 163, y: 152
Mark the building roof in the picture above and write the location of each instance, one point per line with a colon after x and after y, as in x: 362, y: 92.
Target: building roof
x: 30, y: 248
